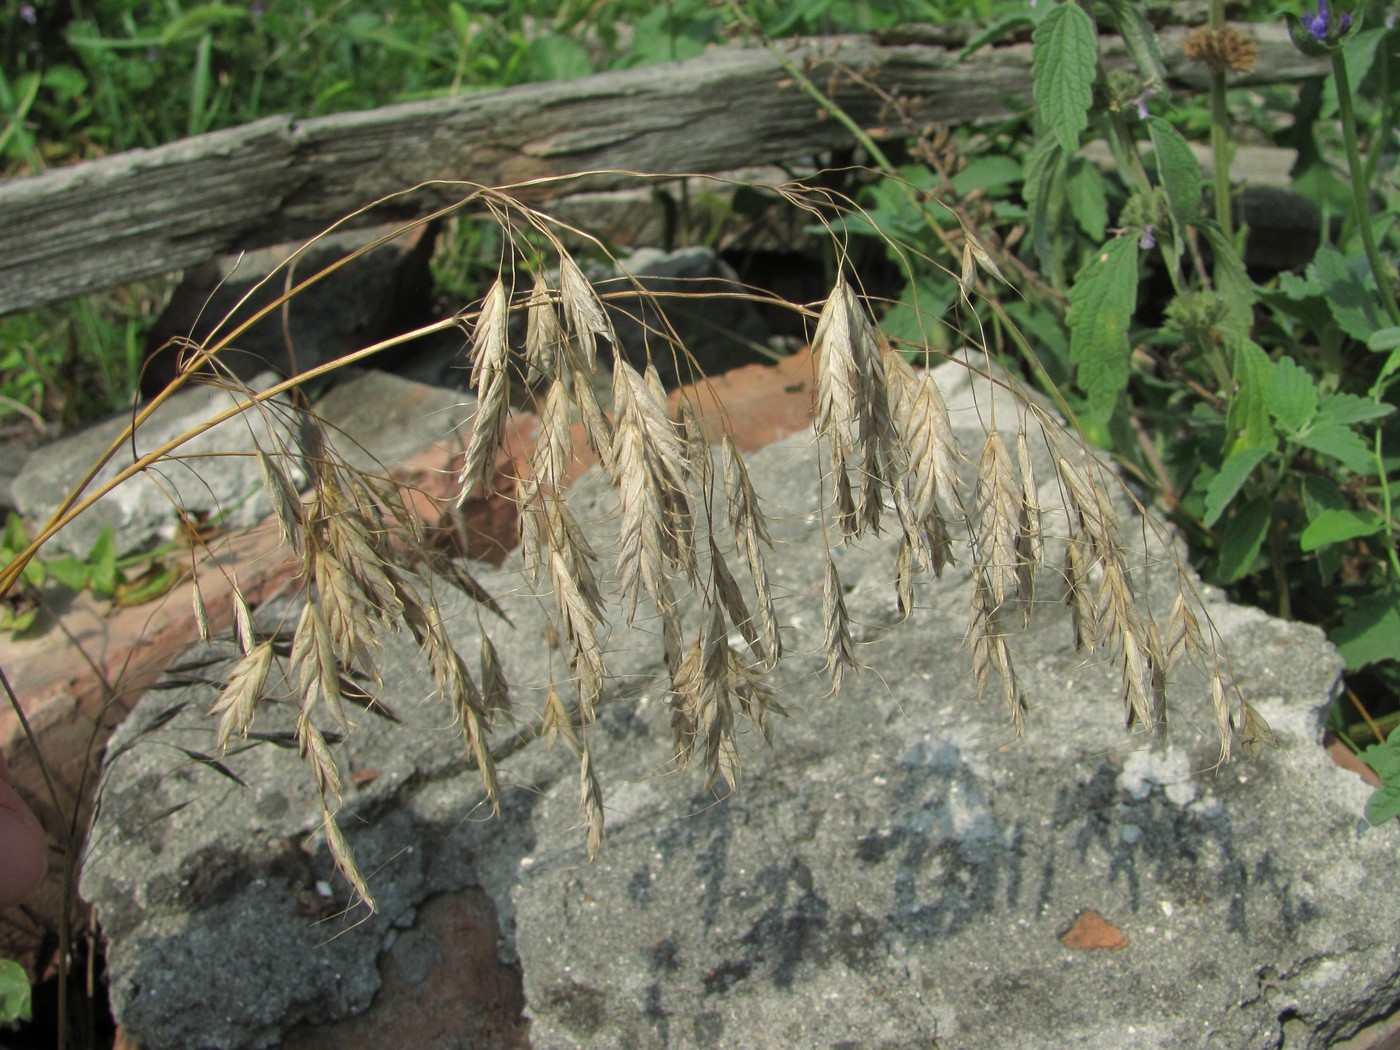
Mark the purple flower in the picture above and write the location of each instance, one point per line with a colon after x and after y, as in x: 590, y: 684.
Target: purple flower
x: 28, y: 15
x: 1322, y: 26
x: 1141, y: 102
x: 1148, y: 238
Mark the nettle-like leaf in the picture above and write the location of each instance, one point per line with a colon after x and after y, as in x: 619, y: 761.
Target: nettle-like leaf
x: 1064, y: 65
x: 1339, y: 525
x: 1320, y: 495
x: 1088, y: 200
x: 1231, y: 280
x: 1044, y: 189
x: 1180, y: 175
x: 1244, y: 536
x: 1348, y: 408
x: 1370, y: 629
x: 1248, y: 416
x: 1234, y: 472
x: 1291, y: 396
x: 1101, y: 305
x: 1341, y: 443
x: 1140, y: 36
x: 1384, y: 758
x: 1346, y: 287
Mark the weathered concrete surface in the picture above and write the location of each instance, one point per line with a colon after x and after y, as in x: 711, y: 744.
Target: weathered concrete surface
x: 143, y: 511
x: 889, y: 874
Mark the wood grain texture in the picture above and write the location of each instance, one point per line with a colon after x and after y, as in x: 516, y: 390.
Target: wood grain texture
x: 148, y: 212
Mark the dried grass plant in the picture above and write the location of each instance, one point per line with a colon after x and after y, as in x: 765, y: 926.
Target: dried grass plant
x: 691, y: 533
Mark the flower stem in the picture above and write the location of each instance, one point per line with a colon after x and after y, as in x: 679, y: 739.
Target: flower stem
x: 1220, y: 132
x: 1358, y: 187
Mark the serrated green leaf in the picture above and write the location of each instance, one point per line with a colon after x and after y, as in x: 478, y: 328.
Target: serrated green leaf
x: 16, y: 1004
x: 1088, y: 200
x: 1291, y: 396
x: 1384, y: 804
x: 1044, y: 190
x: 1341, y: 443
x: 1345, y: 285
x: 1178, y: 171
x: 1064, y: 65
x: 1141, y: 38
x: 1348, y: 408
x: 1101, y: 304
x: 1231, y: 281
x: 1319, y: 495
x: 1244, y: 535
x: 1370, y: 630
x: 1384, y: 758
x: 1338, y: 526
x: 1234, y: 472
x: 1248, y: 417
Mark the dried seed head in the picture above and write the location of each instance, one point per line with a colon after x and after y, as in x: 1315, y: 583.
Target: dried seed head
x: 544, y: 336
x: 583, y: 311
x: 1221, y: 49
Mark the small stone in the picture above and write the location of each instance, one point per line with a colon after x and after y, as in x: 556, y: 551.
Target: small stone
x: 1092, y: 932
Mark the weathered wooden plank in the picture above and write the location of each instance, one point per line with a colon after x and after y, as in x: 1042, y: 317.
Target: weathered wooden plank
x: 148, y: 212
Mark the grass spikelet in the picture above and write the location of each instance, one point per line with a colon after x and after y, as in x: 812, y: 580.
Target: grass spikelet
x: 579, y: 618
x: 836, y: 630
x: 997, y: 504
x: 490, y: 378
x: 201, y: 612
x: 834, y: 345
x: 925, y: 435
x: 344, y: 860
x: 591, y: 799
x: 495, y: 690
x: 987, y: 641
x: 724, y: 585
x: 554, y: 451
x: 239, y: 698
x: 556, y: 721
x: 243, y: 623
x: 313, y: 661
x: 654, y: 511
x: 583, y: 312
x: 1030, y: 542
x: 544, y: 336
x: 312, y: 746
x: 286, y: 504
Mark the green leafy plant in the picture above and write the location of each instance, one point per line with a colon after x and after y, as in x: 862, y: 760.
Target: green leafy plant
x: 16, y: 997
x: 1260, y: 410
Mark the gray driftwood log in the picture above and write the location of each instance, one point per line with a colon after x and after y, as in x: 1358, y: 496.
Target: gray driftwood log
x: 148, y: 212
